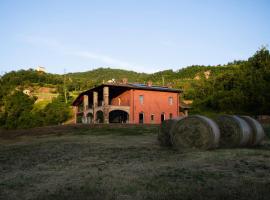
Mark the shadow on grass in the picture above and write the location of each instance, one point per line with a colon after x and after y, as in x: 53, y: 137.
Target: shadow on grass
x: 107, y: 130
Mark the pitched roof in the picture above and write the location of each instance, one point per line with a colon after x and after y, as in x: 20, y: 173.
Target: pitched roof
x: 137, y: 86
x: 144, y: 87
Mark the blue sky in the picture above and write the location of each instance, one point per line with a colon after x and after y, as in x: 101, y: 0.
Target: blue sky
x: 140, y: 35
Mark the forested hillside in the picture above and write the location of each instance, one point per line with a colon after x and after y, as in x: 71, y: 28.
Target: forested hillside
x: 238, y: 87
x: 85, y: 80
x: 243, y: 89
x: 183, y: 78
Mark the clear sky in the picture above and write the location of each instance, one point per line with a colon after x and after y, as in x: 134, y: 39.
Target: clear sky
x: 141, y: 35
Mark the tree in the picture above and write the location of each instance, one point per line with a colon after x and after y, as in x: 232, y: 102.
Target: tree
x: 57, y: 111
x: 17, y: 106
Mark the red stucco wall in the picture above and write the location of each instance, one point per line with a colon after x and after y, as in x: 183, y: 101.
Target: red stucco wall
x: 156, y: 103
x: 124, y: 99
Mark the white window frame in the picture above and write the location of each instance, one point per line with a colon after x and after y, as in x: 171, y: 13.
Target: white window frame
x: 170, y: 99
x: 141, y: 99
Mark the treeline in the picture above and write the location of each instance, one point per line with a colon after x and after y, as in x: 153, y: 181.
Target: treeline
x: 19, y: 111
x: 26, y: 78
x: 84, y: 80
x: 244, y: 89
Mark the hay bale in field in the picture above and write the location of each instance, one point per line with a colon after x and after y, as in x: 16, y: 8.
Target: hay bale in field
x: 234, y: 131
x: 164, y: 134
x: 195, y: 131
x: 256, y: 130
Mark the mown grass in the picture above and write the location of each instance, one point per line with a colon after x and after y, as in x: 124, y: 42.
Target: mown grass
x: 129, y: 130
x: 267, y: 129
x: 82, y: 129
x: 126, y: 163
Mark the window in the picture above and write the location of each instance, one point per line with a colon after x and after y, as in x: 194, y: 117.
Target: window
x: 170, y: 100
x: 171, y: 116
x: 162, y: 117
x: 141, y: 99
x: 152, y: 117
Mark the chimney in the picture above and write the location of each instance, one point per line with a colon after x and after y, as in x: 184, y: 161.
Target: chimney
x: 149, y: 83
x: 124, y: 80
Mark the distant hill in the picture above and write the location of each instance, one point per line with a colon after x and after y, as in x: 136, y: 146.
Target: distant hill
x: 79, y: 81
x: 84, y: 80
x: 183, y: 78
x: 169, y: 76
x: 100, y: 74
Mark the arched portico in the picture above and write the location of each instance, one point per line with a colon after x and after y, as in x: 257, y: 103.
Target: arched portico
x: 118, y: 116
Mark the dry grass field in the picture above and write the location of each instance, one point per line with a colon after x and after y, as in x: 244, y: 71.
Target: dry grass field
x: 114, y: 162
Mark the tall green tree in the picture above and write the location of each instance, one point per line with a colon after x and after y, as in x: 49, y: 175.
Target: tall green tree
x: 17, y: 110
x: 56, y: 112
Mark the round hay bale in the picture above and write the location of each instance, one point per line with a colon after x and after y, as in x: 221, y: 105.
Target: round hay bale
x: 195, y: 131
x: 234, y: 131
x: 164, y: 135
x: 256, y: 129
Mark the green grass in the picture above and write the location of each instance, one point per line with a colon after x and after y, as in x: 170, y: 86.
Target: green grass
x: 125, y: 163
x: 39, y: 105
x: 45, y: 96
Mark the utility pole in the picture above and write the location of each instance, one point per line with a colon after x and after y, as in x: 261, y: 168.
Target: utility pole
x: 163, y: 81
x: 65, y: 88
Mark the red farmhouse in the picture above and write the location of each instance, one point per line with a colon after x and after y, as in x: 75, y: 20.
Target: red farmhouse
x: 127, y: 103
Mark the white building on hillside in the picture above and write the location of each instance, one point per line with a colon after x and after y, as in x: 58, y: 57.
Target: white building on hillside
x: 41, y: 69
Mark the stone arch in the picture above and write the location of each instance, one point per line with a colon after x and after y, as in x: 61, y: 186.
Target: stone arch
x: 118, y: 116
x: 99, y: 108
x: 99, y: 116
x: 89, y: 118
x: 121, y: 108
x: 79, y: 118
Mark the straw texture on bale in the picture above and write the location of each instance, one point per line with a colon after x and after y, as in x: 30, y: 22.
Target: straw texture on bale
x: 195, y: 131
x: 256, y: 129
x: 164, y: 134
x: 234, y: 131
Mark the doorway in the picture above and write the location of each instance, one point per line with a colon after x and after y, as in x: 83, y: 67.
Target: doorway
x: 162, y: 117
x: 141, y: 118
